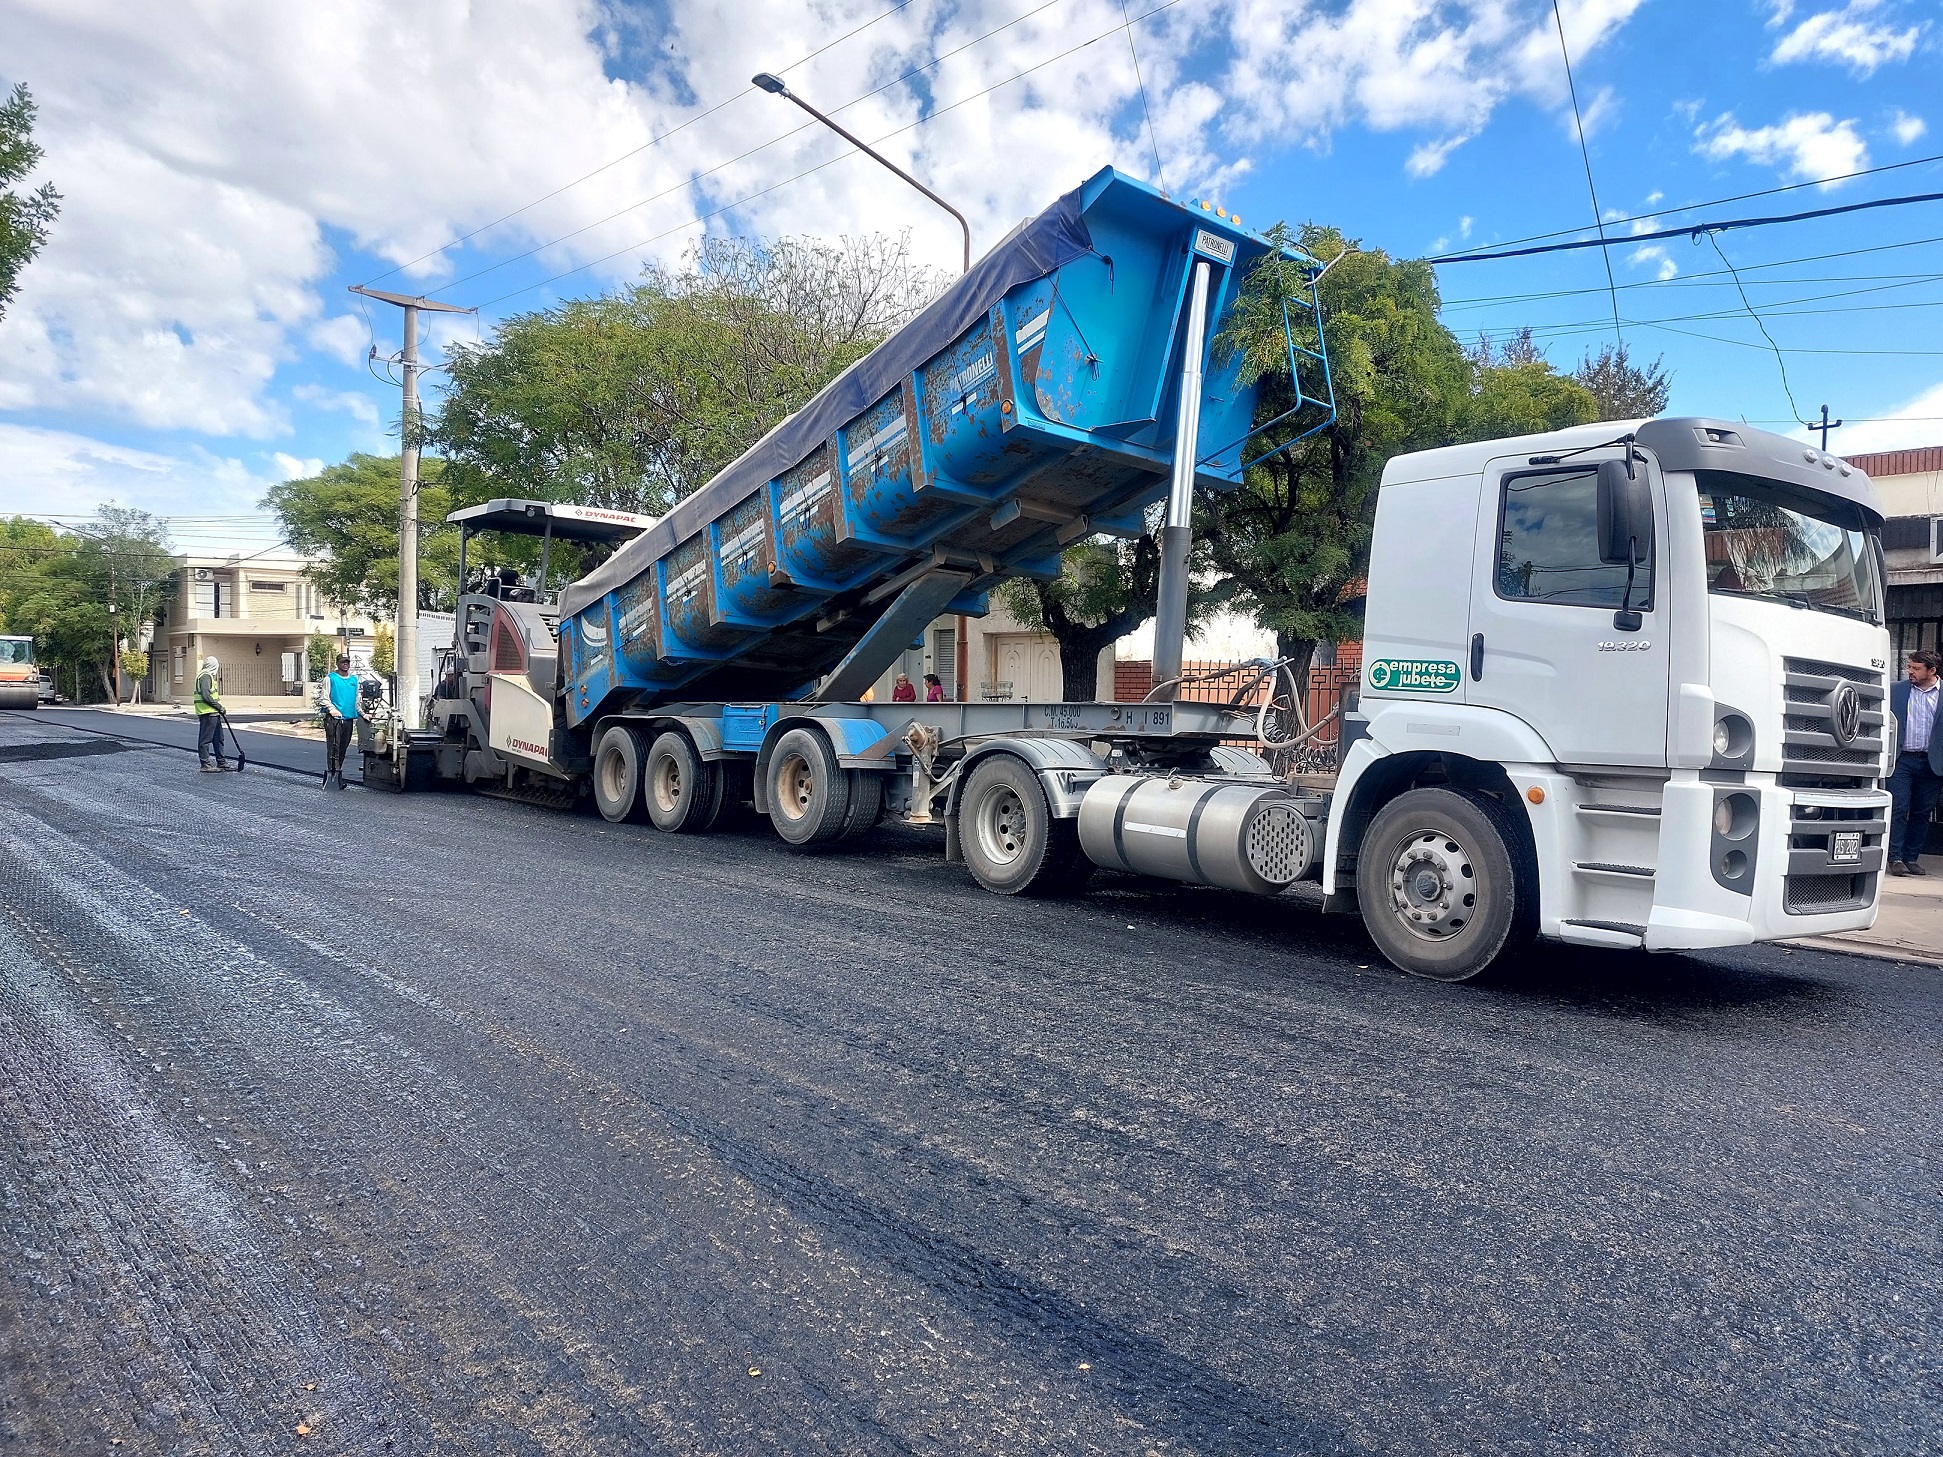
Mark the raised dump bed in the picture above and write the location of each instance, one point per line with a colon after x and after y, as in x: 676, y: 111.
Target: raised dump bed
x: 1032, y: 404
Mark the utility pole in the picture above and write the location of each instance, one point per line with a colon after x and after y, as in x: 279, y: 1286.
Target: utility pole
x: 405, y: 644
x: 1825, y: 426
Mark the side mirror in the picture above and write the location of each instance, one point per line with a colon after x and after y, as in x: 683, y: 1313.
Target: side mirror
x: 1625, y: 514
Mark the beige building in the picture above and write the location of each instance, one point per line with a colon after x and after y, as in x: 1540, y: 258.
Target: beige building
x: 1001, y: 660
x: 254, y: 614
x: 1910, y: 485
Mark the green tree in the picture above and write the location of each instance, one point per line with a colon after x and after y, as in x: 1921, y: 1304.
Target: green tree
x: 1624, y: 390
x: 346, y: 520
x: 1291, y: 541
x: 384, y: 650
x: 59, y: 586
x: 25, y: 217
x: 635, y: 399
x: 320, y: 650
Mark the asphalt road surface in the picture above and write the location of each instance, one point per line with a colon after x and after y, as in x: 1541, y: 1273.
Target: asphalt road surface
x: 440, y: 1124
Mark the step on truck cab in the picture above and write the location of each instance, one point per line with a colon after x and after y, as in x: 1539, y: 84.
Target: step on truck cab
x: 1623, y: 685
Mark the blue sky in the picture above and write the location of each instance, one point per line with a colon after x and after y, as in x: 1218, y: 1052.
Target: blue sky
x: 187, y: 340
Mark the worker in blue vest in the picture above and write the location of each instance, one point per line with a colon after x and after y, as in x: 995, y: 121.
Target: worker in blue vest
x: 209, y: 717
x: 339, y: 704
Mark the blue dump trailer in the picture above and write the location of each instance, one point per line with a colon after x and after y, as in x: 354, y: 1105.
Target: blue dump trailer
x: 1060, y: 390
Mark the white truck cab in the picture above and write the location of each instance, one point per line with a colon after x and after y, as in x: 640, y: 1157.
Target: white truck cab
x: 1623, y: 685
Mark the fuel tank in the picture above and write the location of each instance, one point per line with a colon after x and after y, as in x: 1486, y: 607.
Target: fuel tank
x: 1236, y: 834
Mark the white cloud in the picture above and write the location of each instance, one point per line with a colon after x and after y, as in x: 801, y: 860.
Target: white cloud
x: 1849, y: 36
x: 217, y: 159
x: 1906, y: 128
x: 1429, y: 159
x: 291, y: 468
x: 1915, y: 423
x: 1653, y: 253
x: 59, y: 473
x: 359, y: 407
x: 1464, y: 227
x: 1805, y: 147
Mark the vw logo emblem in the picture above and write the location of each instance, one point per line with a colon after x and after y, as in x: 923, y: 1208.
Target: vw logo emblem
x: 1846, y: 714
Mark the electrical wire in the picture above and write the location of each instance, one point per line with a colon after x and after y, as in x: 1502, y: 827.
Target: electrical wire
x: 807, y: 171
x: 1585, y: 154
x: 1721, y: 201
x: 1759, y: 323
x: 1160, y: 171
x: 1691, y: 230
x: 636, y: 151
x: 689, y: 181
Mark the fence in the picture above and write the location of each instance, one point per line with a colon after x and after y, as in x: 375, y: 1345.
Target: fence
x: 1242, y: 685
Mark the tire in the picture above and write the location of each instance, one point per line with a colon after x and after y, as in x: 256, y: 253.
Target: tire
x: 1444, y: 883
x: 866, y: 802
x: 808, y: 791
x: 1009, y: 838
x: 618, y: 758
x: 683, y: 794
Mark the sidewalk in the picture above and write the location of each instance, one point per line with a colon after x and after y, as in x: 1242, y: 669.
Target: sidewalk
x: 1909, y: 923
x: 288, y: 714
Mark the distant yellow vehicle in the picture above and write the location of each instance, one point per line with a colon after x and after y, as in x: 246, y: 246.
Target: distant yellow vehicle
x: 19, y: 678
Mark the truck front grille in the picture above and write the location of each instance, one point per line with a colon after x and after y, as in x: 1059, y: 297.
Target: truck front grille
x: 1810, y: 751
x: 1817, y: 895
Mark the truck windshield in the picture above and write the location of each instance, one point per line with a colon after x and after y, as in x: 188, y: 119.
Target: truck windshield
x: 1786, y: 544
x: 16, y: 650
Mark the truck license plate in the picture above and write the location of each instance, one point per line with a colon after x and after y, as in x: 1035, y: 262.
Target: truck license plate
x: 1848, y: 845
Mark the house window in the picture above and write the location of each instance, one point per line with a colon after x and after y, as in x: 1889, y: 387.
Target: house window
x: 181, y: 659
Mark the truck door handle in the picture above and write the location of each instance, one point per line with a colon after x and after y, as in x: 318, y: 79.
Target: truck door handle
x: 1477, y: 656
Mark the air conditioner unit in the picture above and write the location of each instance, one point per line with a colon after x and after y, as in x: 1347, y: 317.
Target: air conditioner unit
x: 202, y: 574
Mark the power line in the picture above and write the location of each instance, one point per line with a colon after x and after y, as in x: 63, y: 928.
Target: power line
x: 1146, y: 109
x: 1585, y: 155
x: 1759, y: 323
x: 1736, y: 197
x: 1699, y: 280
x: 807, y: 171
x: 1691, y: 230
x: 693, y: 178
x: 634, y: 152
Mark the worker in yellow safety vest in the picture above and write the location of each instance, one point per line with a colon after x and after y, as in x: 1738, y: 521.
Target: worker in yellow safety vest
x: 209, y: 717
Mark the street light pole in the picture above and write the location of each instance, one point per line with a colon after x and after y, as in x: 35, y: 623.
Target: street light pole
x: 405, y: 645
x: 774, y: 85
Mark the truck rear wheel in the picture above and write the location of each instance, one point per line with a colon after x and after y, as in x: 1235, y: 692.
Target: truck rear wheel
x: 617, y: 774
x: 683, y: 793
x: 1009, y: 838
x: 866, y: 801
x: 809, y: 792
x: 1437, y: 878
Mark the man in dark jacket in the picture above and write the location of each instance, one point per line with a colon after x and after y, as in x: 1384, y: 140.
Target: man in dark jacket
x: 1918, y: 772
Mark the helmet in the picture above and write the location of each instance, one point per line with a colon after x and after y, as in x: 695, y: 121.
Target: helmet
x: 210, y: 665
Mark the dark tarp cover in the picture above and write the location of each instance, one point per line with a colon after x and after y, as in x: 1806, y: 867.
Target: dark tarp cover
x: 1031, y: 250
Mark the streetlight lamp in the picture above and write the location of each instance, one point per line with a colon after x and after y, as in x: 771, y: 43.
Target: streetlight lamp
x: 774, y: 85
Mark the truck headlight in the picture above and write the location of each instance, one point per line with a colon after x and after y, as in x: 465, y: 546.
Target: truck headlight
x: 1733, y: 737
x: 1723, y: 741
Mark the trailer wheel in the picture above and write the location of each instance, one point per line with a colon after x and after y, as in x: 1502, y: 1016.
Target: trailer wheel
x: 683, y: 794
x: 1008, y: 835
x: 809, y: 792
x: 617, y: 774
x: 1438, y: 882
x: 866, y: 801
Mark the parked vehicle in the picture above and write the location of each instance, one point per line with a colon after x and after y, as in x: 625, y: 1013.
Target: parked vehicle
x: 1623, y: 684
x: 20, y: 680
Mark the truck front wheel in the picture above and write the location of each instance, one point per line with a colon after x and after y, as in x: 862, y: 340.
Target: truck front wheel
x: 1011, y: 842
x: 684, y: 794
x: 617, y: 774
x: 1437, y: 880
x: 809, y: 792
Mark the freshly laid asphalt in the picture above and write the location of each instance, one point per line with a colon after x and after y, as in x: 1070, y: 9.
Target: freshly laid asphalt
x: 354, y: 1122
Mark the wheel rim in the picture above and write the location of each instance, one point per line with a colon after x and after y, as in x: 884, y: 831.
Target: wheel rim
x: 667, y: 785
x: 1001, y: 826
x: 796, y: 787
x: 613, y: 776
x: 1433, y: 885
